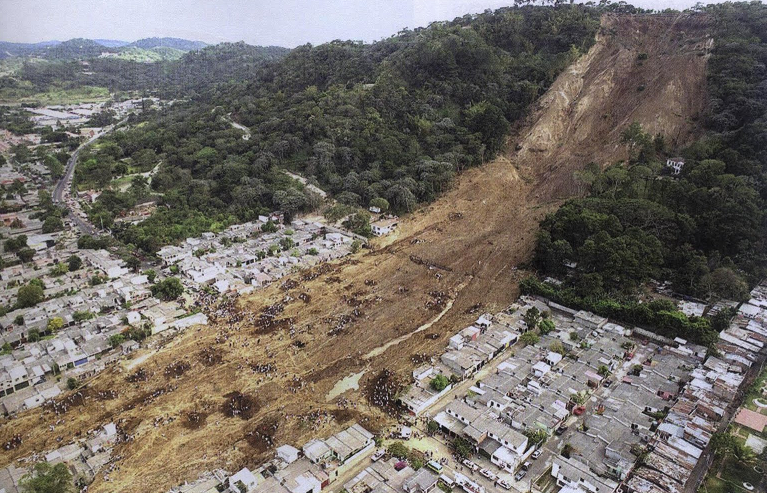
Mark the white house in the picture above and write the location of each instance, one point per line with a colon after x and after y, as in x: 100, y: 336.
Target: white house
x: 384, y: 226
x: 287, y: 453
x: 133, y: 317
x: 243, y: 478
x: 676, y: 164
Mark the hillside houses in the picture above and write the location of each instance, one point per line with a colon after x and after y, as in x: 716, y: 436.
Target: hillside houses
x: 474, y: 346
x: 243, y: 258
x: 90, y: 314
x: 318, y: 464
x: 675, y: 165
x: 384, y: 226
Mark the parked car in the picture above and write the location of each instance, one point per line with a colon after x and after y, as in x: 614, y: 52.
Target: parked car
x: 503, y: 484
x: 378, y: 454
x: 488, y: 474
x: 561, y: 430
x: 470, y: 464
x: 520, y: 475
x: 537, y: 454
x: 526, y: 465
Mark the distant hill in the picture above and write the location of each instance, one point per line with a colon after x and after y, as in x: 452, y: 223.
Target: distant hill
x: 142, y: 55
x: 81, y: 48
x: 77, y: 48
x: 8, y: 49
x: 177, y: 43
x: 111, y: 43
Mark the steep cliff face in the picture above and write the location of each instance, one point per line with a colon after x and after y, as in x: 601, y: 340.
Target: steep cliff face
x: 649, y: 69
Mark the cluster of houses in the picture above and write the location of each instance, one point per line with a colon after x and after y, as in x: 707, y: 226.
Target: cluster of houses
x: 37, y: 367
x: 244, y: 258
x: 705, y: 397
x: 17, y: 216
x: 310, y: 469
x: 9, y: 139
x: 85, y: 457
x: 631, y: 397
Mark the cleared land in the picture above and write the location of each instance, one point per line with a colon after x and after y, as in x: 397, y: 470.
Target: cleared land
x: 295, y: 341
x: 84, y: 94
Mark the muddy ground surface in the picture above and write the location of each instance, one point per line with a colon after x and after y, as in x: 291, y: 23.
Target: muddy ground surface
x: 224, y: 396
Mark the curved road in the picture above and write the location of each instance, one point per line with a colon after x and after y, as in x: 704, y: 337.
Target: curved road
x: 59, y: 193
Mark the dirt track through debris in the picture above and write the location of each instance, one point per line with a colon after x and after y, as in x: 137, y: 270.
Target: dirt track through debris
x: 284, y: 352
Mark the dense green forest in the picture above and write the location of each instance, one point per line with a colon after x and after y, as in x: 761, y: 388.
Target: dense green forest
x: 394, y: 119
x: 82, y: 49
x: 704, y: 230
x: 195, y: 72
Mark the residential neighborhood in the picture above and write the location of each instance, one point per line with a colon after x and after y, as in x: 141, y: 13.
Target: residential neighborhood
x: 588, y: 406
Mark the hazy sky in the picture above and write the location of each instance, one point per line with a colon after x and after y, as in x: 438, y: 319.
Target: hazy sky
x: 259, y: 22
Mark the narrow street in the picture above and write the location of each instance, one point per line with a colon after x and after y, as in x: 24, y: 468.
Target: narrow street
x: 63, y: 187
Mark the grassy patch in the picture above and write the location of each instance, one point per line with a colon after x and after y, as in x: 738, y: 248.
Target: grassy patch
x: 714, y: 485
x: 57, y: 96
x: 737, y: 473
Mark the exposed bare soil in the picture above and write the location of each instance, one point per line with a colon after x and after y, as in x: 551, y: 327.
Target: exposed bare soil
x: 225, y: 395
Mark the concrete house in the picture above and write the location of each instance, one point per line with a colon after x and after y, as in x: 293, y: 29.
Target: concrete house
x: 384, y: 226
x: 422, y: 481
x: 675, y: 164
x: 242, y: 481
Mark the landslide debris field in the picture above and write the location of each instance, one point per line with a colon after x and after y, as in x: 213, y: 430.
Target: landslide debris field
x: 225, y: 395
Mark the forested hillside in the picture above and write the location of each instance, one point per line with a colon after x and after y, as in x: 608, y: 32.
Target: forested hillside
x: 175, y: 43
x: 190, y: 74
x: 703, y: 229
x: 396, y: 119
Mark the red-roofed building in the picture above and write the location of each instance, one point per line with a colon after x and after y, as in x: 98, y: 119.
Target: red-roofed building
x: 751, y: 419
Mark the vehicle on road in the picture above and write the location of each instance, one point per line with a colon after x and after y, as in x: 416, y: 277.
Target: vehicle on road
x: 503, y: 484
x: 488, y: 474
x: 537, y: 454
x: 470, y: 465
x: 526, y: 465
x: 520, y: 475
x: 449, y: 482
x: 434, y: 466
x: 561, y: 430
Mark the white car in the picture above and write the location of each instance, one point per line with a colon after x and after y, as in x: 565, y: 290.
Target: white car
x: 503, y: 484
x: 537, y: 454
x: 488, y: 474
x: 470, y: 464
x: 378, y: 454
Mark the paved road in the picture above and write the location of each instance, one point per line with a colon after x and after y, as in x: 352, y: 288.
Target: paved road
x: 60, y: 192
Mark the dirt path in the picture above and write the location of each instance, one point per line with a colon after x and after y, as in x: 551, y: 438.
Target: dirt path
x: 481, y: 231
x: 382, y: 349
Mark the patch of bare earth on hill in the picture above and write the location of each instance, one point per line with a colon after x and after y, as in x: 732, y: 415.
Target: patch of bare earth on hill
x: 224, y: 396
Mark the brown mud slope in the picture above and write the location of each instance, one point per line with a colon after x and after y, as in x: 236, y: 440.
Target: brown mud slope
x: 249, y: 385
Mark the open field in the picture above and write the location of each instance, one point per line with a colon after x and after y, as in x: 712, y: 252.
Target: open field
x: 84, y: 94
x: 288, y: 345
